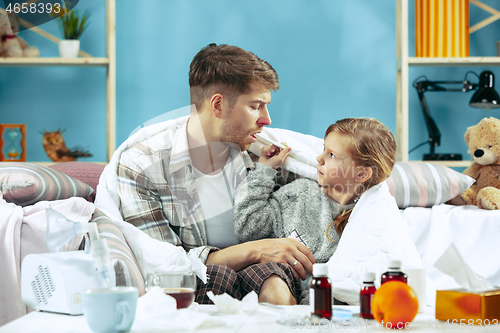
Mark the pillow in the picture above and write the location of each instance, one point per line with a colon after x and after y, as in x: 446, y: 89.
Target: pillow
x: 86, y: 172
x: 420, y: 184
x: 122, y: 258
x: 25, y: 184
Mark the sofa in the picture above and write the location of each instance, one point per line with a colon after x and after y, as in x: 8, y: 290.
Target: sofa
x: 25, y: 190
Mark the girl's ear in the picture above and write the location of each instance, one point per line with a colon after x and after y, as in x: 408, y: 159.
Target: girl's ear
x: 364, y: 174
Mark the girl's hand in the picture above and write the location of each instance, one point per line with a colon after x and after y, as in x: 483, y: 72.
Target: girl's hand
x: 273, y: 156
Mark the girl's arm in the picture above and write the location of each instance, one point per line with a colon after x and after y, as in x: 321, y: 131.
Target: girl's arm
x: 257, y: 211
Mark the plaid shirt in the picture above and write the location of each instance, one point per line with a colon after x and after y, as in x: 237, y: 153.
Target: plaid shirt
x: 157, y: 189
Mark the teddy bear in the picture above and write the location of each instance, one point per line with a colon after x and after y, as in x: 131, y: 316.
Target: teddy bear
x: 483, y: 140
x: 11, y: 45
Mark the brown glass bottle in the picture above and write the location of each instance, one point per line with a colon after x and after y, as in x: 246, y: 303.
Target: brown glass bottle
x: 366, y: 295
x: 320, y: 294
x: 394, y: 273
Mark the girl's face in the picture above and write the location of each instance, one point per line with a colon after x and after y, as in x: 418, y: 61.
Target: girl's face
x: 336, y: 169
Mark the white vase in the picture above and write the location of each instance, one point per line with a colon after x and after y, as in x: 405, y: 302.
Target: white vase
x: 69, y: 48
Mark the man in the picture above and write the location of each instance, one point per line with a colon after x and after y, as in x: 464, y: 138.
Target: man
x: 178, y: 186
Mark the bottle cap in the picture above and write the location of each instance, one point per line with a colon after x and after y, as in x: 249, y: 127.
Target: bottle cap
x: 320, y: 270
x: 368, y: 277
x: 395, y: 264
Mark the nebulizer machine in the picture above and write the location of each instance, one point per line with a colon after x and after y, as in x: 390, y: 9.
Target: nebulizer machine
x: 54, y: 282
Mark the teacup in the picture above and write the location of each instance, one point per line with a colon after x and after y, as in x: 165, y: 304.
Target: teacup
x: 179, y: 285
x: 110, y: 309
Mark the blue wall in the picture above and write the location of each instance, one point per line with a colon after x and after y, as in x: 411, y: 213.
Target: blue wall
x: 334, y: 59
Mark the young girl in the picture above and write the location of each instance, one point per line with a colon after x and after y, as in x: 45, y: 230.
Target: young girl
x: 359, y: 154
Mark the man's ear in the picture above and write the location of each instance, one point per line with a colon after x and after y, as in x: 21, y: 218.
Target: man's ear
x: 216, y: 105
x: 364, y: 174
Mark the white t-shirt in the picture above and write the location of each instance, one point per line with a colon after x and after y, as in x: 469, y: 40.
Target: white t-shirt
x: 216, y: 194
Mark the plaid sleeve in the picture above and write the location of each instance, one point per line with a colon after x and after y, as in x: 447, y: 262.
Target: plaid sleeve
x: 127, y: 270
x: 148, y: 202
x: 141, y: 204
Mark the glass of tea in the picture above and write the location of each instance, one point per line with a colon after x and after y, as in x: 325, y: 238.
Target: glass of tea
x: 179, y: 285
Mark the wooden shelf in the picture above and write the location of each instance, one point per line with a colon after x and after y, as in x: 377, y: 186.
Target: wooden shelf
x: 86, y: 60
x: 450, y: 62
x: 403, y: 63
x: 54, y: 62
x: 451, y: 164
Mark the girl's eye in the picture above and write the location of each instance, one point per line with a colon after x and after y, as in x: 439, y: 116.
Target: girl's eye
x: 332, y: 155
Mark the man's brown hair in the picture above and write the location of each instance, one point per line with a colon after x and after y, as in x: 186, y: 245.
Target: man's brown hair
x: 228, y: 70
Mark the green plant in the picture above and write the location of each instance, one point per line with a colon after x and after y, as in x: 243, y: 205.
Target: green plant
x: 73, y: 23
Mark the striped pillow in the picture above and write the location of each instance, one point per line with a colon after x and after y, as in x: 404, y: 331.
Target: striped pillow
x: 25, y: 184
x: 419, y: 184
x: 127, y: 270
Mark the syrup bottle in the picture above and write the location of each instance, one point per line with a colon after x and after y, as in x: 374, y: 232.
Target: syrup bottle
x: 394, y: 273
x: 320, y: 294
x: 366, y: 295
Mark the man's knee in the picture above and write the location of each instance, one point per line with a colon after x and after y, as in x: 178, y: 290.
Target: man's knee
x: 275, y: 290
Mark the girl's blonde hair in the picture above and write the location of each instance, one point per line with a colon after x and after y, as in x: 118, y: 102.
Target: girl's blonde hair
x: 372, y: 145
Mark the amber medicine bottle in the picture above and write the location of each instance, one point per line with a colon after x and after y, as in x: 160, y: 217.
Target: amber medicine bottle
x: 366, y: 295
x: 320, y: 294
x: 394, y: 273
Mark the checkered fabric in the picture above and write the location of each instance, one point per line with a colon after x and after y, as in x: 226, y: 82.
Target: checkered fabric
x: 157, y: 189
x: 222, y: 279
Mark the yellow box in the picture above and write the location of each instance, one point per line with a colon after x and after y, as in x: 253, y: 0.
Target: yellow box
x: 442, y: 28
x: 458, y: 304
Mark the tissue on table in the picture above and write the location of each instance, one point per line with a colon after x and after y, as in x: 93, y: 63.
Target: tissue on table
x: 478, y: 300
x: 228, y: 304
x: 157, y: 312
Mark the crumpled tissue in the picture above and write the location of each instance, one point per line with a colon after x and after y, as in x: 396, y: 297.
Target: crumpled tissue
x: 452, y: 263
x: 157, y: 312
x: 227, y: 304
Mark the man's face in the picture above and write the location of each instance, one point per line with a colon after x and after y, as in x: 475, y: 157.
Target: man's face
x: 247, y: 116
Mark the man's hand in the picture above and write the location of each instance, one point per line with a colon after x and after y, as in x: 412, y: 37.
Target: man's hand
x: 284, y: 250
x: 287, y: 251
x: 273, y: 156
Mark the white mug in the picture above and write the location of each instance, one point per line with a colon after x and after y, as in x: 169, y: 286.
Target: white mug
x: 110, y: 309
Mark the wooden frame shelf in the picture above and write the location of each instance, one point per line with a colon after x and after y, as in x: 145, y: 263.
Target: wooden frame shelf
x: 54, y: 62
x: 403, y: 62
x: 85, y: 60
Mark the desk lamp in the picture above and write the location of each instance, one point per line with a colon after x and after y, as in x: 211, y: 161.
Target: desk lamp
x: 484, y: 98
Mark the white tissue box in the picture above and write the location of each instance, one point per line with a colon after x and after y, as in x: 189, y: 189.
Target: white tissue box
x: 467, y: 307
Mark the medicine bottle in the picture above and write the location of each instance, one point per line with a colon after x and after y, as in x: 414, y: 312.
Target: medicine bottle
x: 394, y: 273
x: 366, y: 295
x: 320, y: 294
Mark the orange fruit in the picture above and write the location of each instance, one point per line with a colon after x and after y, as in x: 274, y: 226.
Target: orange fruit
x: 394, y: 304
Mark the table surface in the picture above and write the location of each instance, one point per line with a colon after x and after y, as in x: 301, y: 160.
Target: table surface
x: 260, y: 319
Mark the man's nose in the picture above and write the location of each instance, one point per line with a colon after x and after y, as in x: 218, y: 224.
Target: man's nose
x: 265, y: 119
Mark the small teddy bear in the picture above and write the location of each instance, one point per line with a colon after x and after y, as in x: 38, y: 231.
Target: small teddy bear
x: 12, y: 45
x: 483, y: 141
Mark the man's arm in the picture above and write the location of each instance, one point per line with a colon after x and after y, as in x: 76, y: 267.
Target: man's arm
x: 284, y: 250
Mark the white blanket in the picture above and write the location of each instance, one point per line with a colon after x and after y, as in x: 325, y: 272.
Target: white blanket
x: 374, y: 235
x: 22, y: 232
x: 474, y: 232
x: 152, y: 255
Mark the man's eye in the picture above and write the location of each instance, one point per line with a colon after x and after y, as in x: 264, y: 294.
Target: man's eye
x: 254, y: 107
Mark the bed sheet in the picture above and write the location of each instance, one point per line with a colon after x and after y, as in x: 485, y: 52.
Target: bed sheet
x: 475, y: 232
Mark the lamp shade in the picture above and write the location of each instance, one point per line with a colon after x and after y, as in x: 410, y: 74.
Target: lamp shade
x: 485, y: 97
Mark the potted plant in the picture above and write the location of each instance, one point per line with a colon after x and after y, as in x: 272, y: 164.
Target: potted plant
x: 72, y: 24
